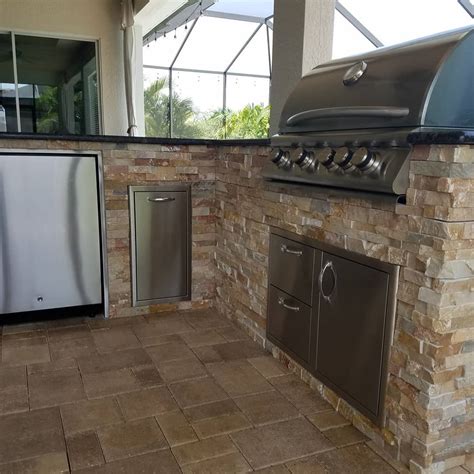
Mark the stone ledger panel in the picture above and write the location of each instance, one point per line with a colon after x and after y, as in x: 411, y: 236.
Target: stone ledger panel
x: 429, y: 416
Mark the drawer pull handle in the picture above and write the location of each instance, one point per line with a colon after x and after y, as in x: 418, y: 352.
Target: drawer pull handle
x: 281, y: 301
x: 329, y: 266
x: 285, y: 249
x: 161, y: 199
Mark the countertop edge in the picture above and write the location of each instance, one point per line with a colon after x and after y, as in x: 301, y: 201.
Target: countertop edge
x: 136, y: 140
x: 442, y: 137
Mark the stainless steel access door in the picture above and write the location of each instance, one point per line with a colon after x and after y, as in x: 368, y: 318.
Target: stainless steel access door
x: 352, y: 315
x: 161, y: 243
x: 50, y: 244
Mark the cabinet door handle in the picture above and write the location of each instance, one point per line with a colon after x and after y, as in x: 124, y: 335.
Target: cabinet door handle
x: 161, y: 199
x: 282, y: 302
x: 285, y: 249
x: 328, y: 266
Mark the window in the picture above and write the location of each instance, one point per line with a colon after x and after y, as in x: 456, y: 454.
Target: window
x: 48, y: 85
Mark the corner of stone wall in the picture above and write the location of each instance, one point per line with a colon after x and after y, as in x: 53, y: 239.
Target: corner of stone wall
x: 431, y: 388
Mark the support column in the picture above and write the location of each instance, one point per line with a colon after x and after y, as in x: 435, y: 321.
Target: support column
x: 302, y: 39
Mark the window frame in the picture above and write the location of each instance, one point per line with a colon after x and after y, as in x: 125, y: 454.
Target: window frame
x: 61, y: 36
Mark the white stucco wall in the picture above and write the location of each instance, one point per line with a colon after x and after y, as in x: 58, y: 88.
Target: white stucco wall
x: 83, y: 19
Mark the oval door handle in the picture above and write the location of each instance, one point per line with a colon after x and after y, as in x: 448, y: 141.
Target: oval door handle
x: 285, y: 249
x: 282, y: 302
x: 161, y: 199
x: 328, y: 266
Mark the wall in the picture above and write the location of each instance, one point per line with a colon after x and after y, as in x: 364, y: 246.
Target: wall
x: 83, y: 19
x: 429, y: 422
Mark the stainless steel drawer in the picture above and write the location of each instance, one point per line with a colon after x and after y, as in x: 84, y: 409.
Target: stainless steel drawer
x: 289, y: 323
x: 291, y: 267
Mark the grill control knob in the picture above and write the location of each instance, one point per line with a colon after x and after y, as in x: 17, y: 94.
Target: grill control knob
x: 306, y: 161
x: 282, y: 159
x: 364, y: 159
x: 325, y: 156
x: 342, y: 157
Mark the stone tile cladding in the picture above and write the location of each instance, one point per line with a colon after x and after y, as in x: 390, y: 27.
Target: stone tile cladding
x: 136, y: 164
x: 429, y: 403
x: 430, y: 420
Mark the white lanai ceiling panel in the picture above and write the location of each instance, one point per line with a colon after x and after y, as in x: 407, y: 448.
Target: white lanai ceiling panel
x: 347, y: 39
x: 213, y: 43
x: 254, y: 58
x: 250, y: 8
x: 162, y: 51
x: 156, y: 11
x: 403, y: 20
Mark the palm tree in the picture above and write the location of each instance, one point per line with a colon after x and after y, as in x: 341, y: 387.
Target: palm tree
x: 157, y: 113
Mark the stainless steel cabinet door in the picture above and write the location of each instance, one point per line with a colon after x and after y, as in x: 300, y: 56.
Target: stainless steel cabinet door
x: 162, y: 245
x: 352, y: 315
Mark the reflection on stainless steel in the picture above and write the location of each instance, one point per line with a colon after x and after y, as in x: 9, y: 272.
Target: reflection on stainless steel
x: 4, y: 250
x: 374, y: 100
x: 50, y: 246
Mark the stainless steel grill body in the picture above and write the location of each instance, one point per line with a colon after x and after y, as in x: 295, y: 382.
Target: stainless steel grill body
x: 374, y: 101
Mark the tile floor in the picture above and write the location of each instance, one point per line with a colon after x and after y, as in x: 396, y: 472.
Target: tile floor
x: 182, y: 392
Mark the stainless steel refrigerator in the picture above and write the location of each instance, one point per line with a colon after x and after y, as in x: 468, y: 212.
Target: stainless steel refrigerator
x: 50, y: 235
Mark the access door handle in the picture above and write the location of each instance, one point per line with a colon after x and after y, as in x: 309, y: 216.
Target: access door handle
x: 285, y: 249
x: 327, y: 267
x: 161, y: 199
x: 282, y: 302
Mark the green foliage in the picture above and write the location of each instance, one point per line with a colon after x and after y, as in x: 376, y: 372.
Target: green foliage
x: 47, y: 107
x: 157, y: 116
x: 250, y: 122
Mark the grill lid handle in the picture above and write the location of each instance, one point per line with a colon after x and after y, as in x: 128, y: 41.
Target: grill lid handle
x: 343, y: 112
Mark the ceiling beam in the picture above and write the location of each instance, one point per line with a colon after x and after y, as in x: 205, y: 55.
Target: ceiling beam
x: 234, y: 16
x: 468, y: 6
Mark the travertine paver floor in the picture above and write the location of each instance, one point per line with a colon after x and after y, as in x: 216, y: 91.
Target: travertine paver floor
x: 177, y: 392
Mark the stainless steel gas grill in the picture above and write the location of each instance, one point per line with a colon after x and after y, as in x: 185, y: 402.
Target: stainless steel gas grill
x: 347, y: 121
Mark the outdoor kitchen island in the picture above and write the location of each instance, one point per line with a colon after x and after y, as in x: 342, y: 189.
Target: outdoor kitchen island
x: 428, y: 421
x: 428, y: 413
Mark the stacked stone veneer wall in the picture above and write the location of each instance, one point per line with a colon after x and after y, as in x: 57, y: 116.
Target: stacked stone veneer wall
x: 429, y: 416
x: 137, y: 164
x: 429, y: 422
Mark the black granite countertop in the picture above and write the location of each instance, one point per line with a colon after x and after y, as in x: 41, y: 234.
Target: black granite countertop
x: 442, y: 137
x: 438, y: 137
x: 141, y: 140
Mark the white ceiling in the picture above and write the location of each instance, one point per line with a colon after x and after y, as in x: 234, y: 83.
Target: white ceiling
x: 155, y: 11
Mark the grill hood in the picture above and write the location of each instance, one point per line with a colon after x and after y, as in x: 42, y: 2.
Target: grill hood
x: 425, y: 83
